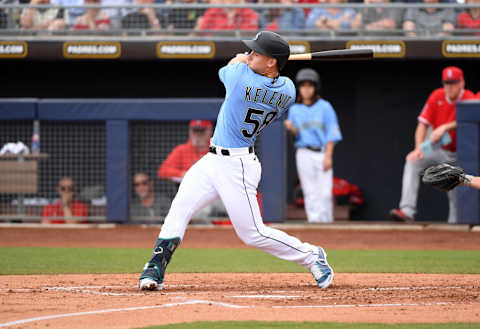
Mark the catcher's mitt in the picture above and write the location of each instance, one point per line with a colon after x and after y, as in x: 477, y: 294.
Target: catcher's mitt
x: 445, y: 177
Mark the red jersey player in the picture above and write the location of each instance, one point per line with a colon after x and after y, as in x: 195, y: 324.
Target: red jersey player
x: 439, y: 114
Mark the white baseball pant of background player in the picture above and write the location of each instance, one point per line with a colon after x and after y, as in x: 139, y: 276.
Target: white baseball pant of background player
x: 234, y: 179
x: 316, y: 184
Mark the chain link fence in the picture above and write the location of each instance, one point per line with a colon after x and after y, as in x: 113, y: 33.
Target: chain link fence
x: 52, y: 171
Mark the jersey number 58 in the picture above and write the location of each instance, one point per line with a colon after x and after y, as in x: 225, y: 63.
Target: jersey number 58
x: 257, y: 126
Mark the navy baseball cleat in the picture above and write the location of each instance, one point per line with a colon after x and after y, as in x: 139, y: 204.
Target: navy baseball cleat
x: 322, y: 272
x: 154, y: 270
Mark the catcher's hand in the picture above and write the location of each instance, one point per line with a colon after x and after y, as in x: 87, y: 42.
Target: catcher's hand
x: 445, y: 177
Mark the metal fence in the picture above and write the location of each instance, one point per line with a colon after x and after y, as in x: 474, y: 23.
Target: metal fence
x: 59, y: 177
x: 229, y: 19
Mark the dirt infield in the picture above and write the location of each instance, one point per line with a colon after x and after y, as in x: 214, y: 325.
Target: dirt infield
x: 113, y: 301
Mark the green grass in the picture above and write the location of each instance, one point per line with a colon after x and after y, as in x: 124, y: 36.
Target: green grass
x: 312, y: 325
x: 23, y: 260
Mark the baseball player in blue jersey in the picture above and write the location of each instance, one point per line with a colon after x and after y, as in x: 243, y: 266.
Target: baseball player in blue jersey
x: 314, y: 123
x: 255, y: 95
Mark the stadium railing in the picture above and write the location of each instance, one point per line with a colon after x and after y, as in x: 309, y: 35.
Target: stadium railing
x: 170, y: 21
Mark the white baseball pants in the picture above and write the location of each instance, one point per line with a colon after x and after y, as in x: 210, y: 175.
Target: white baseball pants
x: 234, y: 179
x: 316, y: 184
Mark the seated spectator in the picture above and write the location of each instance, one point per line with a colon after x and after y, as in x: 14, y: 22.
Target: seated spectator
x: 185, y: 155
x: 147, y: 204
x: 93, y: 19
x: 380, y: 19
x: 71, y: 13
x: 230, y: 18
x: 67, y: 209
x: 307, y: 11
x: 282, y: 18
x: 332, y: 18
x: 3, y: 14
x: 143, y: 18
x: 42, y: 19
x: 470, y: 19
x: 185, y: 18
x: 116, y: 14
x: 430, y: 21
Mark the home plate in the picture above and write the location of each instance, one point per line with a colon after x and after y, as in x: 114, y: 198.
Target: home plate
x: 265, y: 296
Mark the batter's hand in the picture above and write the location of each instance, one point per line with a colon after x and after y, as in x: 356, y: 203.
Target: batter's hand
x: 437, y: 134
x: 239, y: 58
x: 415, y: 155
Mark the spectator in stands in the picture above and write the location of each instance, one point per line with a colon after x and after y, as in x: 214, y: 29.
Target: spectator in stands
x: 72, y: 13
x: 185, y: 18
x: 430, y: 21
x: 307, y: 11
x: 42, y: 19
x: 380, y: 19
x: 3, y: 14
x: 67, y: 209
x: 230, y: 18
x: 282, y: 18
x: 333, y: 18
x: 143, y: 18
x: 116, y: 14
x: 185, y: 155
x: 470, y: 18
x: 93, y: 19
x: 147, y: 204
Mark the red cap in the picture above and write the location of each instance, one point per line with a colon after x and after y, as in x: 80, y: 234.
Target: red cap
x: 200, y: 123
x: 452, y: 74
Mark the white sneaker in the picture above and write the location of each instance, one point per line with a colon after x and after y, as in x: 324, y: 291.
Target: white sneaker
x: 149, y: 284
x: 322, y: 272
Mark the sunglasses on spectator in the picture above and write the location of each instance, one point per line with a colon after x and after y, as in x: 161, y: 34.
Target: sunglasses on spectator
x: 145, y: 182
x: 66, y: 188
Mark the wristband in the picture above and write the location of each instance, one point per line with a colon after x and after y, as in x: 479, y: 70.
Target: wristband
x: 466, y: 179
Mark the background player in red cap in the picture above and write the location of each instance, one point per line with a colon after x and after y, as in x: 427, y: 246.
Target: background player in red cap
x: 438, y: 113
x: 185, y: 155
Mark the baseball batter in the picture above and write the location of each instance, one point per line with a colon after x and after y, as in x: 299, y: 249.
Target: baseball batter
x: 314, y: 123
x: 255, y: 96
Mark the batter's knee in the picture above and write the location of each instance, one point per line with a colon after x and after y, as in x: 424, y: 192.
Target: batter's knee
x: 252, y: 237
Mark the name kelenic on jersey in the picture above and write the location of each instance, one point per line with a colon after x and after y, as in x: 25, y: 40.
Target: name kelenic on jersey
x: 252, y: 102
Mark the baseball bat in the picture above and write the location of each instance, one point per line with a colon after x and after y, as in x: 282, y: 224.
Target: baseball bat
x: 341, y: 54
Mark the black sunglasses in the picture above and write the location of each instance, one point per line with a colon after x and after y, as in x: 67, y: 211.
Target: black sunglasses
x: 66, y: 188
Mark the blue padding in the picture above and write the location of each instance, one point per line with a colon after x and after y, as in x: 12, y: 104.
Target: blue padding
x: 117, y: 162
x: 274, y: 167
x: 468, y: 111
x: 18, y: 108
x: 128, y: 109
x: 468, y: 157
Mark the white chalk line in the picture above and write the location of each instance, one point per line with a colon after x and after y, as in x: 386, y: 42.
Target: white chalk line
x: 265, y: 296
x: 112, y: 310
x: 366, y: 305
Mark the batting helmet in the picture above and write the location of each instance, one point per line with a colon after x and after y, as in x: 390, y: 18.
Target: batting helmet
x: 308, y: 75
x: 272, y: 45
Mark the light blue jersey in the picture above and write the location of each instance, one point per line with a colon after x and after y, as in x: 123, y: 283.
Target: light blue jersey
x: 317, y: 124
x: 252, y: 102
